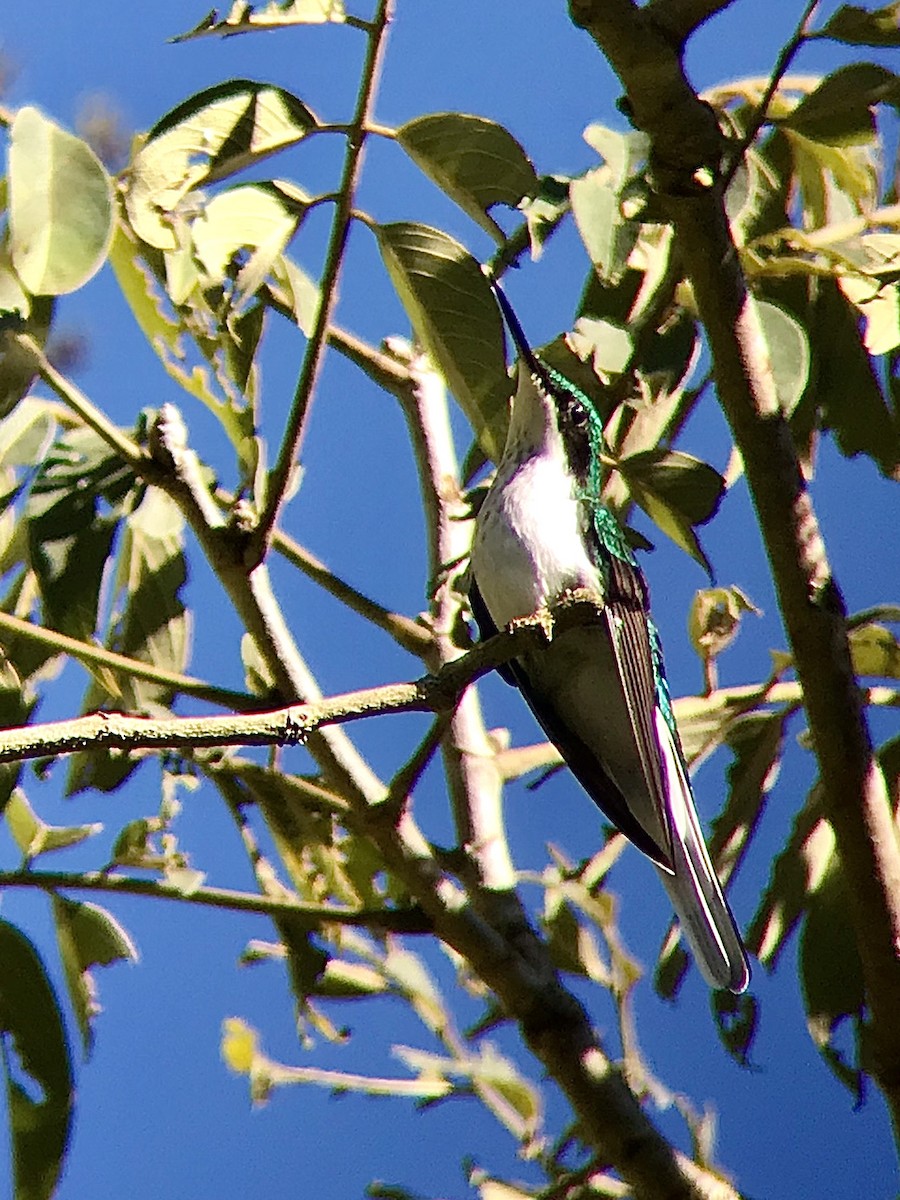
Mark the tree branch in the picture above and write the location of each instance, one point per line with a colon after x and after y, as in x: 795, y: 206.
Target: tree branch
x: 97, y: 656
x: 281, y: 475
x: 476, y: 784
x: 314, y: 916
x: 438, y: 693
x: 684, y: 160
x: 680, y: 18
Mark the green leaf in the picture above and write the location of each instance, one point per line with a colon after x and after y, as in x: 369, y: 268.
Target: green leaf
x: 164, y: 334
x: 60, y: 206
x: 831, y: 977
x: 208, y: 137
x: 546, y: 210
x: 847, y: 389
x: 715, y: 618
x: 861, y: 27
x: 808, y: 855
x: 294, y: 294
x: 875, y: 650
x: 88, y: 936
x: 837, y: 182
x: 788, y: 353
x: 34, y: 836
x: 26, y: 434
x: 607, y: 236
x: 453, y: 314
x: 259, y: 217
x: 39, y: 1086
x: 677, y: 492
x: 597, y: 200
x: 475, y: 161
x: 839, y: 111
x: 244, y: 17
x: 69, y: 541
x: 151, y: 626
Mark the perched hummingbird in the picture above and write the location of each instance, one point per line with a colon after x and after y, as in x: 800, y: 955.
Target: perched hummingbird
x: 599, y: 691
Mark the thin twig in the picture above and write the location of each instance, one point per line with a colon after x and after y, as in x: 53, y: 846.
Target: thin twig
x: 127, y: 449
x: 98, y: 656
x: 407, y: 920
x: 782, y: 63
x: 281, y: 475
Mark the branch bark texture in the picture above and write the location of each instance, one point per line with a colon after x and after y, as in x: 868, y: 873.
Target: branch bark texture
x: 685, y: 155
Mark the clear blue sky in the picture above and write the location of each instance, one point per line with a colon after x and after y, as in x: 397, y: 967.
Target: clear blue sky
x: 159, y: 1115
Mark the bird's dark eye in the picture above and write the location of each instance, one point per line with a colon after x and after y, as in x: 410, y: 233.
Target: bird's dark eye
x: 578, y: 414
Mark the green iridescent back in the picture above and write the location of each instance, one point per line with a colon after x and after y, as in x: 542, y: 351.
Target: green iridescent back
x: 610, y: 534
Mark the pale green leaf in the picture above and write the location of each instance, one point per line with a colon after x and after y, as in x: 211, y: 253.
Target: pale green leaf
x: 34, y: 836
x: 875, y: 651
x: 294, y: 293
x: 88, y: 936
x: 61, y: 206
x: 244, y: 17
x: 164, y: 334
x: 208, y: 137
x: 788, y: 348
x: 607, y: 236
x: 259, y: 217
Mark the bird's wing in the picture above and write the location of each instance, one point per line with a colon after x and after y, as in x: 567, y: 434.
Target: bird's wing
x: 626, y: 613
x: 487, y: 628
x: 584, y: 722
x: 693, y: 887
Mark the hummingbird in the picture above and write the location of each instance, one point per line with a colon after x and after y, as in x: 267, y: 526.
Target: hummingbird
x: 599, y: 691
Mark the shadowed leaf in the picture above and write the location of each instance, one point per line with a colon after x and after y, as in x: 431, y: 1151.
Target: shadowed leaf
x: 455, y: 317
x: 475, y: 161
x: 39, y: 1086
x: 88, y: 936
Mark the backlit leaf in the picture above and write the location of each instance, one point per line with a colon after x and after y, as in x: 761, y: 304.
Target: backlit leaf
x: 257, y: 217
x: 88, y: 936
x: 60, y: 206
x: 167, y: 335
x: 34, y: 836
x: 208, y: 137
x: 243, y: 17
x: 788, y: 353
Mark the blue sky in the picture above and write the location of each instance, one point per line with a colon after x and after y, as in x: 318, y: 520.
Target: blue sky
x: 158, y: 1113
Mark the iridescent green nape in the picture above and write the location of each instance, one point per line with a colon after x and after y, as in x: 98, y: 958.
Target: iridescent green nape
x: 609, y: 532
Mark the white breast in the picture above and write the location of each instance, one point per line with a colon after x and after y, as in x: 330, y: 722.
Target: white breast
x: 529, y: 540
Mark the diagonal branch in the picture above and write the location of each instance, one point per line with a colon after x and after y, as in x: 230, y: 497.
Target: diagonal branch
x: 282, y: 474
x: 686, y: 146
x: 314, y: 916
